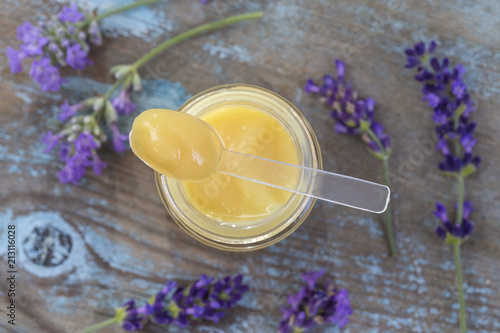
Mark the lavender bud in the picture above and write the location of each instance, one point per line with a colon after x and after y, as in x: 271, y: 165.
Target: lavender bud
x: 71, y: 137
x: 60, y: 32
x: 76, y: 128
x: 110, y: 114
x: 136, y: 81
x: 98, y: 104
x: 81, y: 36
x: 65, y: 42
x: 53, y: 47
x: 95, y: 33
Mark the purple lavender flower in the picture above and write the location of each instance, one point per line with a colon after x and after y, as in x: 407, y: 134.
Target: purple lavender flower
x: 118, y: 139
x: 51, y: 140
x: 414, y: 55
x: 352, y: 115
x: 33, y: 41
x: 97, y: 163
x: 74, y: 169
x: 27, y: 33
x: 82, y: 136
x: 132, y: 318
x: 204, y: 299
x: 314, y: 305
x: 15, y: 59
x: 123, y: 103
x: 355, y: 116
x: 161, y: 315
x: 71, y: 14
x: 85, y: 144
x: 46, y: 75
x: 76, y: 57
x: 84, y: 155
x: 78, y: 157
x: 445, y: 91
x: 63, y: 40
x: 64, y: 151
x: 69, y: 111
x: 461, y: 230
x: 78, y: 154
x: 34, y: 48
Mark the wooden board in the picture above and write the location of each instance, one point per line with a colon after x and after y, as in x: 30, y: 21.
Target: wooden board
x: 124, y: 244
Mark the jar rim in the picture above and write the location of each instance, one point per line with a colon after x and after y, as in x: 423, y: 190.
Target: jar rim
x: 309, y: 147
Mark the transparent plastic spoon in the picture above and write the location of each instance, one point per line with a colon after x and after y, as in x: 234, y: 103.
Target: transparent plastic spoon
x: 158, y: 137
x: 323, y: 185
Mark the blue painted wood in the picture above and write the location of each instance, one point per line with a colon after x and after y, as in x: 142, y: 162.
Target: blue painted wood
x: 123, y: 242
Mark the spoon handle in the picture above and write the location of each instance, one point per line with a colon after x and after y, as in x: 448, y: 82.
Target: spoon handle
x: 328, y: 186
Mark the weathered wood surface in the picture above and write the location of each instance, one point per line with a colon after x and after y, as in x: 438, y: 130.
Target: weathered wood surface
x: 125, y: 245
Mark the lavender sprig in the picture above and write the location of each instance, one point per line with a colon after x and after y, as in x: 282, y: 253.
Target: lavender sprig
x: 355, y: 116
x: 204, y: 299
x: 445, y: 91
x: 63, y: 40
x: 86, y: 120
x: 315, y: 305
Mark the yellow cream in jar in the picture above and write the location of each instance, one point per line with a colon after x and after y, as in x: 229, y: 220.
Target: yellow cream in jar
x: 183, y: 147
x: 229, y: 199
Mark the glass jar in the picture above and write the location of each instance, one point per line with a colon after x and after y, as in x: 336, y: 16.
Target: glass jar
x: 264, y: 231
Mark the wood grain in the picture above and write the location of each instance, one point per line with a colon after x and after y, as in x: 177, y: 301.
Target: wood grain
x: 125, y: 245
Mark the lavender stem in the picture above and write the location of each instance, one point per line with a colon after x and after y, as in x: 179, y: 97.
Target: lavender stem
x: 387, y: 214
x: 456, y: 251
x: 125, y: 8
x: 100, y: 325
x: 458, y: 268
x: 194, y: 32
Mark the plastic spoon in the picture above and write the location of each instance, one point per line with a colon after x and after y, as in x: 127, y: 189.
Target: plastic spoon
x: 156, y: 133
x: 323, y: 185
